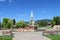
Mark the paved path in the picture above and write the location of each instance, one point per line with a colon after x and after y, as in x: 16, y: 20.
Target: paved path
x: 29, y: 36
x: 1, y: 33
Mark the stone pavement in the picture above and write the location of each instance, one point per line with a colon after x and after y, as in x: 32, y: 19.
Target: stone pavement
x: 1, y: 33
x: 29, y: 36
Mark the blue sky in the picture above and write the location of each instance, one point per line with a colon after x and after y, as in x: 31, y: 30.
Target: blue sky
x: 21, y: 9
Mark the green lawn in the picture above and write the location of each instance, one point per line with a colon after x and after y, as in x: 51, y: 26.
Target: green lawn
x: 54, y: 37
x: 6, y: 37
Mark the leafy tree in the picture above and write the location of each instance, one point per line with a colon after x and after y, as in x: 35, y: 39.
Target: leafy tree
x: 10, y: 24
x: 0, y: 25
x: 14, y: 21
x: 5, y: 22
x: 21, y: 24
x: 57, y: 20
x: 42, y: 23
x: 53, y: 22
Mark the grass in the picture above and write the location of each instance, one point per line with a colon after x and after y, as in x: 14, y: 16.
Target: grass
x: 6, y: 37
x: 54, y: 37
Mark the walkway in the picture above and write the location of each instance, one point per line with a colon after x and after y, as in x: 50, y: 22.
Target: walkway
x: 29, y: 36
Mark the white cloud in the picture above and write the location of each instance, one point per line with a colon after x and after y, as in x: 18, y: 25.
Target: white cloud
x: 6, y: 0
x: 2, y: 0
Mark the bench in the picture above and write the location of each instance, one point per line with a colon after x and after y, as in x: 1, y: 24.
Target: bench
x: 7, y: 32
x: 51, y: 32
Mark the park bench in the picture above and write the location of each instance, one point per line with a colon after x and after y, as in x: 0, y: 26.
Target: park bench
x: 7, y: 32
x: 52, y: 32
x: 47, y: 32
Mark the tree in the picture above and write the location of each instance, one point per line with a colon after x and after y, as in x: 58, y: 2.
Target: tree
x: 14, y: 21
x: 42, y: 23
x: 0, y: 25
x: 57, y: 20
x: 21, y: 24
x: 7, y: 23
x: 10, y: 24
x: 53, y: 22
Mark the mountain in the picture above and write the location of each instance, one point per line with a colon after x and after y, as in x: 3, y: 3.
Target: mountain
x: 48, y: 20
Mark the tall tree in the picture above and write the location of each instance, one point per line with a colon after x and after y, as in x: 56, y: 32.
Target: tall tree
x: 42, y: 23
x: 53, y: 22
x: 57, y: 20
x: 21, y: 24
x: 5, y: 22
x: 10, y: 24
x: 0, y: 25
x: 14, y: 21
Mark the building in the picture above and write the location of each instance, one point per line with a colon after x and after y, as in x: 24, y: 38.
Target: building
x: 32, y: 22
x: 31, y: 26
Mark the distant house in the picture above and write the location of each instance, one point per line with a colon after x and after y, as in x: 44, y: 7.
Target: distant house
x: 49, y: 23
x: 56, y: 27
